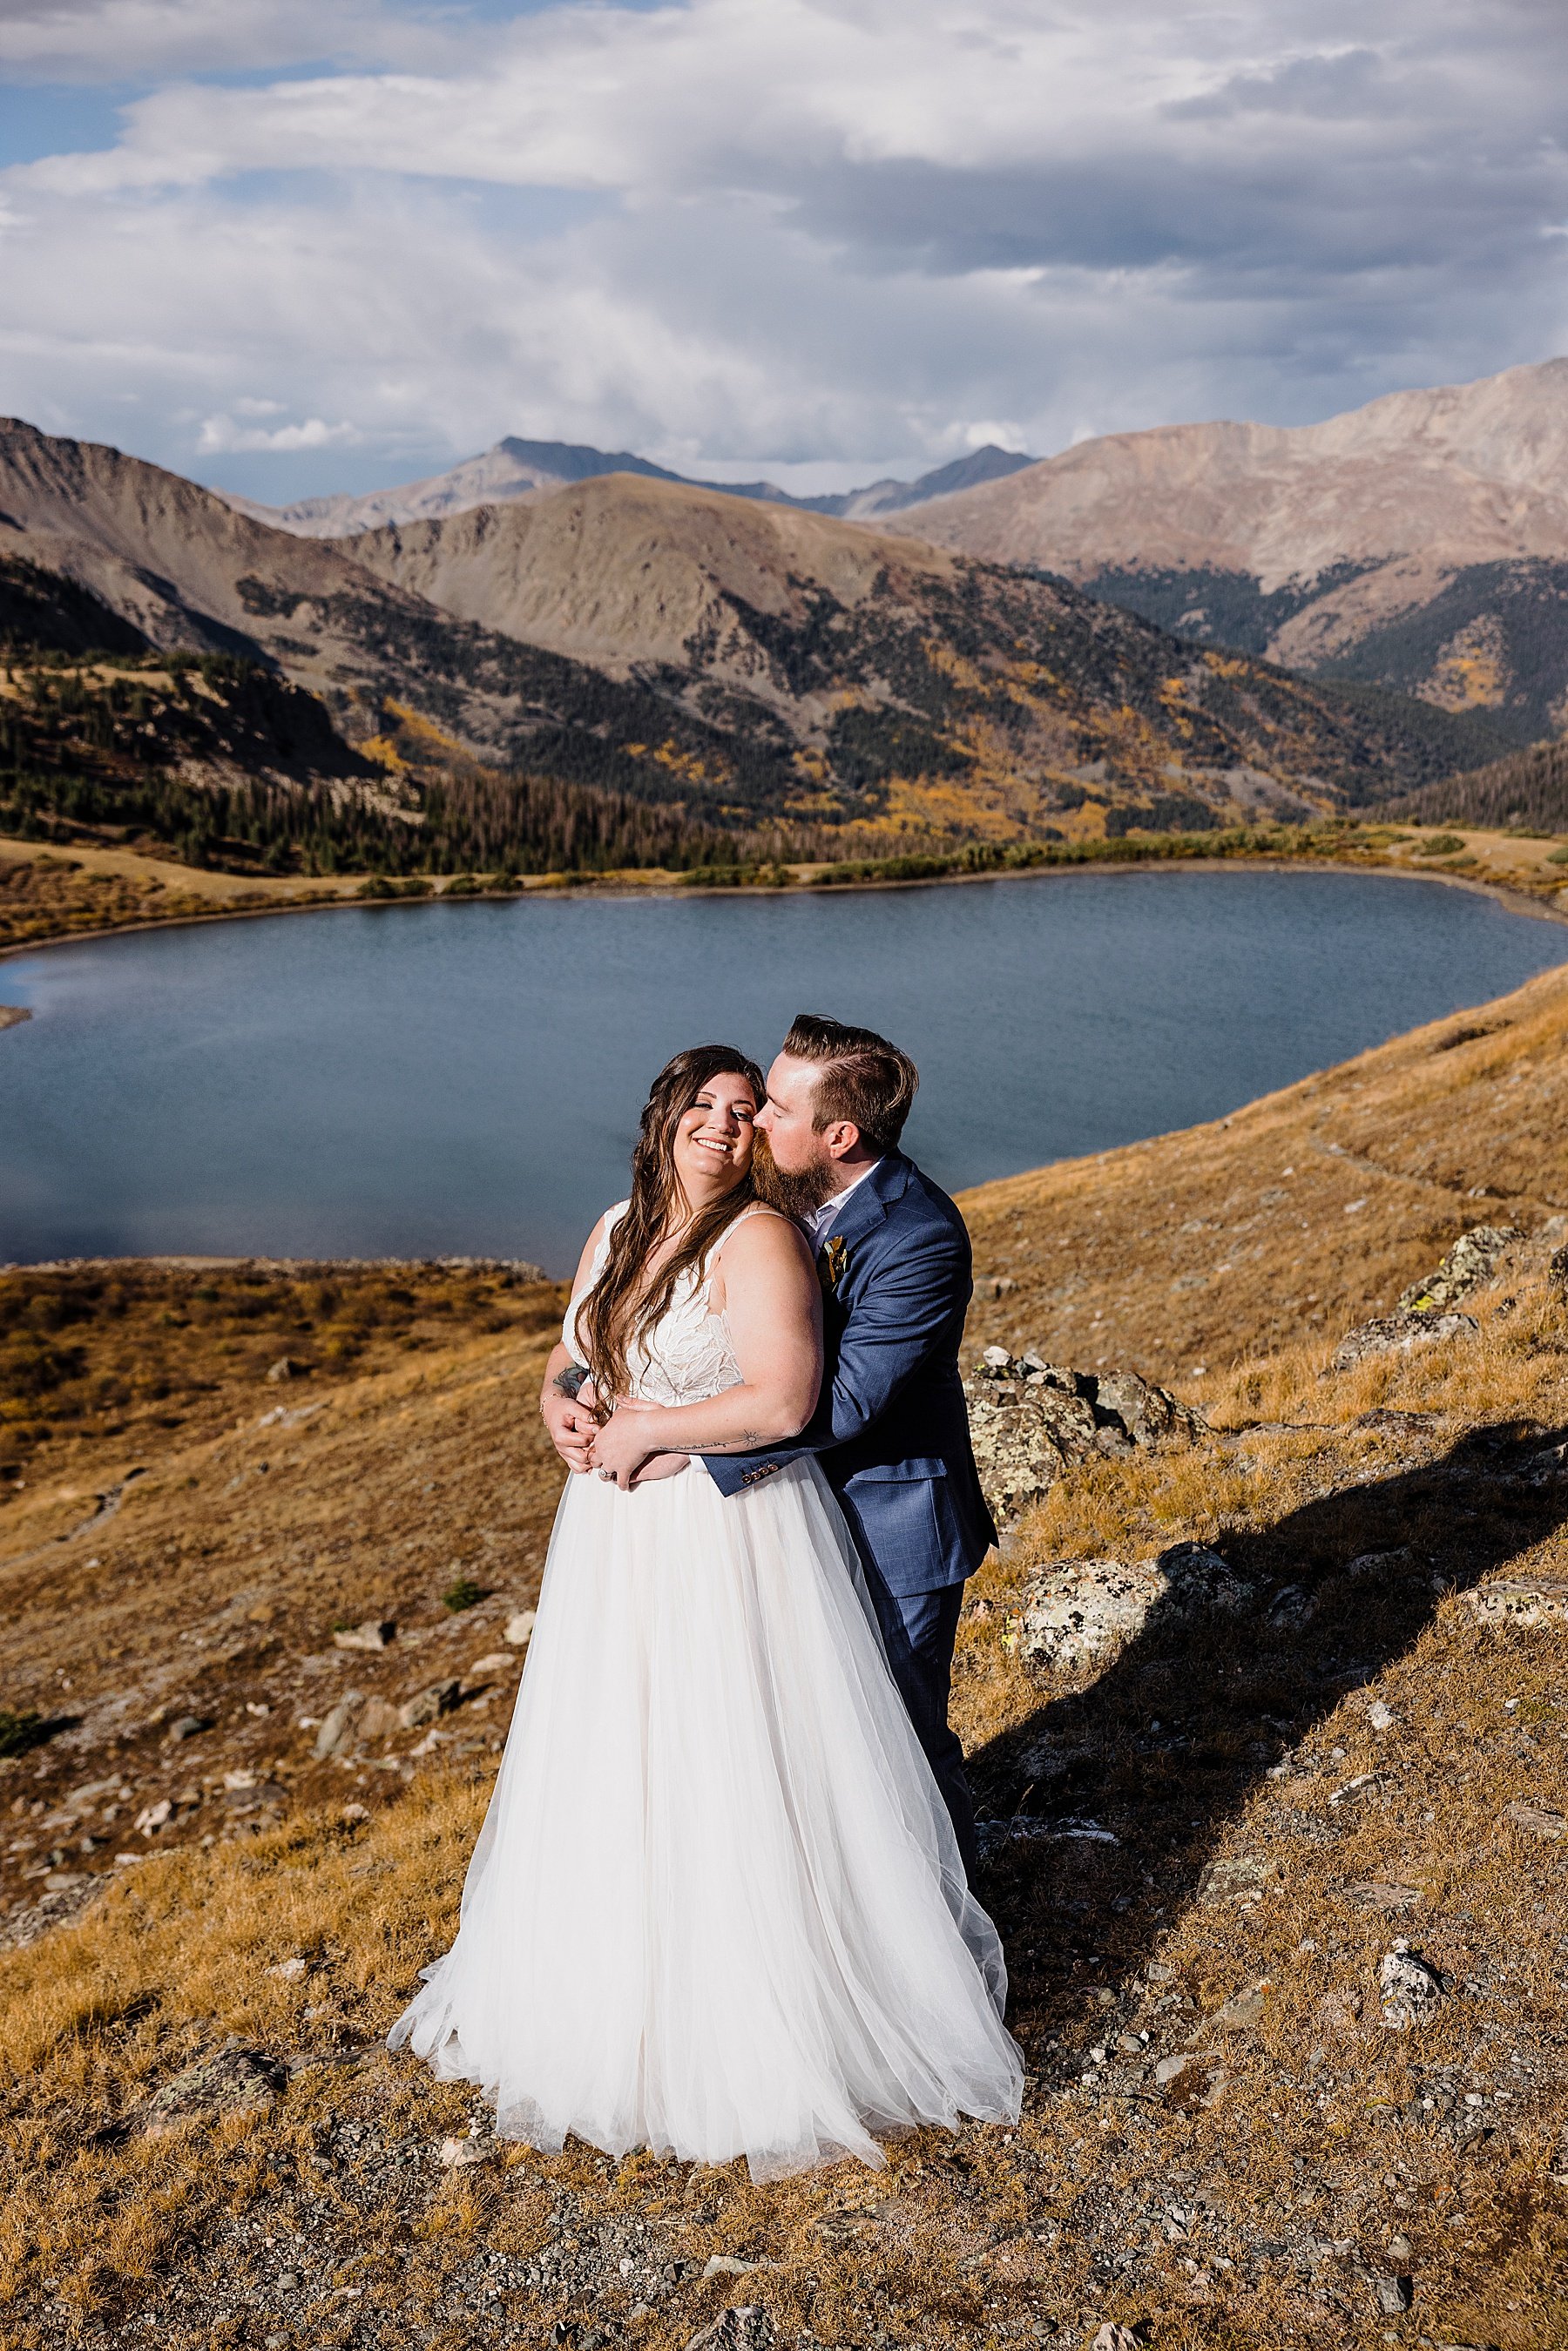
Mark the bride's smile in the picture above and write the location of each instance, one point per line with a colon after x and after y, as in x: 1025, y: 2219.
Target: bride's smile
x: 713, y: 1139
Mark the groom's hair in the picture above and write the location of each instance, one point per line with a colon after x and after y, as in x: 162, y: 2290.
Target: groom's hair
x: 861, y: 1078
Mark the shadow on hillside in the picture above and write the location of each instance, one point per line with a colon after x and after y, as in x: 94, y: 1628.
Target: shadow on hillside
x: 1167, y: 1745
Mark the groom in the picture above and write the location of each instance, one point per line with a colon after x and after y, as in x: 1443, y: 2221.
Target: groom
x: 891, y: 1430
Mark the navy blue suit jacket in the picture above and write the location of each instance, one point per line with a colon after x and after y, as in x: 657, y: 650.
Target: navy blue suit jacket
x: 891, y: 1428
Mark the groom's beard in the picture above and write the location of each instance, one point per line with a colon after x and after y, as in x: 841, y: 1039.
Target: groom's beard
x: 795, y: 1194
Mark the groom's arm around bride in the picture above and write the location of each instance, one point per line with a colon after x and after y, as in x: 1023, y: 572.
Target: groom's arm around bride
x: 891, y: 1429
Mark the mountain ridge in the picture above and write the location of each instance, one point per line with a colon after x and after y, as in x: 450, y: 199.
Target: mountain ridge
x: 516, y: 468
x: 742, y: 663
x: 1418, y: 543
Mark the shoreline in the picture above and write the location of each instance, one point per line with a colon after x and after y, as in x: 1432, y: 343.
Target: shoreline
x: 1514, y: 901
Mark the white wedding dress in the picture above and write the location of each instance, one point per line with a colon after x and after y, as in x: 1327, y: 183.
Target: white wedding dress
x: 715, y: 1908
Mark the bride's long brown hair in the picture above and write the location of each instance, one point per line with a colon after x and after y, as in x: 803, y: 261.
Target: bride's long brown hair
x: 622, y: 1304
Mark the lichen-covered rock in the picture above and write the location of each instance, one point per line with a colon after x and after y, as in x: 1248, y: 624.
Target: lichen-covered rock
x: 1521, y: 1602
x: 1079, y: 1611
x: 430, y: 1704
x: 1411, y: 1989
x: 1425, y: 1311
x: 1472, y: 1261
x: 232, y: 2081
x: 1403, y: 1330
x: 1030, y: 1420
x: 336, y: 1734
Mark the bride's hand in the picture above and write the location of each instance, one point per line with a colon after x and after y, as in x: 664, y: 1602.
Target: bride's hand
x: 620, y: 1447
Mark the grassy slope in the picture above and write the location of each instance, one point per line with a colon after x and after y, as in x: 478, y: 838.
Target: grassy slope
x: 1251, y: 2213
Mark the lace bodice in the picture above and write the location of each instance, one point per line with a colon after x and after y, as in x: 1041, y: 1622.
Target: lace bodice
x: 689, y: 1355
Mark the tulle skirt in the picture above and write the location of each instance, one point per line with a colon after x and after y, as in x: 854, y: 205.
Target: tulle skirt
x: 715, y: 1908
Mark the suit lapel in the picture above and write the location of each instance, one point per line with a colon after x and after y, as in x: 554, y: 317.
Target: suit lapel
x: 866, y: 1208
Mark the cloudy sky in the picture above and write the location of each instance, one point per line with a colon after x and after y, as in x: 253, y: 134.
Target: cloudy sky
x: 289, y: 245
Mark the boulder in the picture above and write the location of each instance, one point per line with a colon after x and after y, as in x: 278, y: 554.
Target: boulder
x: 379, y: 1720
x: 234, y: 2081
x: 1078, y: 1612
x: 288, y: 1367
x: 519, y: 1629
x: 1410, y: 1988
x: 1517, y: 1602
x: 430, y: 1704
x: 1468, y: 1265
x: 375, y: 1633
x: 1171, y: 2069
x: 1242, y: 2011
x: 1402, y: 1331
x: 1239, y: 1875
x: 1537, y: 1820
x: 336, y: 1732
x: 1030, y: 1420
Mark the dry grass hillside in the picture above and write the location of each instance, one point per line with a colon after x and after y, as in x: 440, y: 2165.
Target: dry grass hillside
x: 1309, y: 1209
x: 1205, y: 1848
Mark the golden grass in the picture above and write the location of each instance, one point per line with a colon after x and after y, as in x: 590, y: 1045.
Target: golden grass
x: 1248, y: 2205
x: 1307, y: 1211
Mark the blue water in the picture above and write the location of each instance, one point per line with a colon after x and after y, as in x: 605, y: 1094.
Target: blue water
x: 426, y: 1079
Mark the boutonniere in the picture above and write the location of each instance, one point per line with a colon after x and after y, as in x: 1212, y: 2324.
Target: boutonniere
x: 835, y: 1261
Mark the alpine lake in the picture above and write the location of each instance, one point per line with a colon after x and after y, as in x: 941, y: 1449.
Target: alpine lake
x: 428, y: 1079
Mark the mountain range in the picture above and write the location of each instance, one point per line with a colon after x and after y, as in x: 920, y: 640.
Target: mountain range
x: 524, y: 469
x: 1419, y: 543
x: 662, y: 645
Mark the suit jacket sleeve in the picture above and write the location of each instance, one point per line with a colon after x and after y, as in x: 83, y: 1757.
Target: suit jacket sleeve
x: 905, y: 1311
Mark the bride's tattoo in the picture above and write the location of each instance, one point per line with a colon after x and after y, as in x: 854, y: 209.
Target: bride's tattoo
x: 569, y: 1381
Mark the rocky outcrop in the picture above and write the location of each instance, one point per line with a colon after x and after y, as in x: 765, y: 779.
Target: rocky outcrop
x: 1030, y: 1420
x: 1518, y: 1603
x: 1388, y: 1332
x: 1081, y: 1612
x: 1471, y: 1263
x: 1426, y: 1310
x: 232, y: 2081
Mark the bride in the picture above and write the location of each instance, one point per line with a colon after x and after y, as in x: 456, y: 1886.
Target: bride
x: 715, y: 1908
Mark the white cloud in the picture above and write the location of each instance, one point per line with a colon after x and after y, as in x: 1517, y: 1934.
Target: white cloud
x: 220, y: 435
x: 794, y: 228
